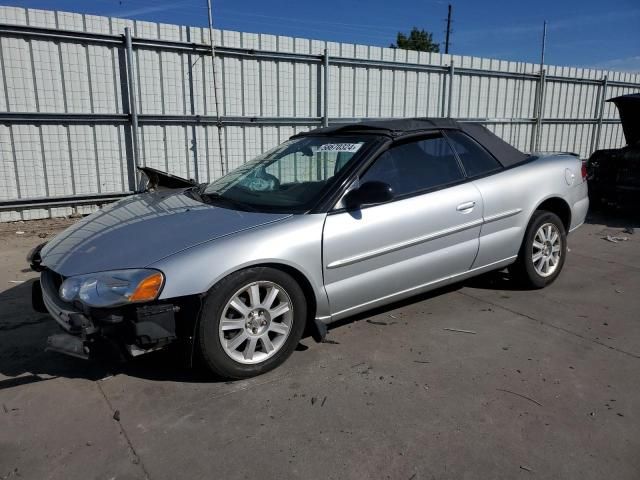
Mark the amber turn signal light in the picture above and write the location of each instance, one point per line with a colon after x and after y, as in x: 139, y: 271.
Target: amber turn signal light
x: 148, y: 288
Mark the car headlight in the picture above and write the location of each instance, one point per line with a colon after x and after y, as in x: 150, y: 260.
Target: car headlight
x: 112, y: 289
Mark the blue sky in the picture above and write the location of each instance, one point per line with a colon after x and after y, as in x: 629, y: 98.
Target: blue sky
x: 586, y: 33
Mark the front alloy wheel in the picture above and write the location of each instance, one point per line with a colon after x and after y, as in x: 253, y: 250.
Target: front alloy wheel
x: 256, y: 322
x: 251, y: 322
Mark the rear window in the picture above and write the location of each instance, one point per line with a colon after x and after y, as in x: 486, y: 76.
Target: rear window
x: 475, y: 159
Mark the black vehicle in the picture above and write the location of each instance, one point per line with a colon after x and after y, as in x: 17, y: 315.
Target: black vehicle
x: 614, y: 174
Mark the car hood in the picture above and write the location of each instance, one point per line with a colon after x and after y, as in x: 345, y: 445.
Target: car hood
x: 140, y: 230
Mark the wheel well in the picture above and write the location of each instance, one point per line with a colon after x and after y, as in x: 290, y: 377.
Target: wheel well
x: 559, y: 207
x: 304, y: 283
x: 192, y: 319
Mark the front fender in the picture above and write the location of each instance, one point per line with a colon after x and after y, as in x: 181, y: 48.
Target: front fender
x: 295, y: 243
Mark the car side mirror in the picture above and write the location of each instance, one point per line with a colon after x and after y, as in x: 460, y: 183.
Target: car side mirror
x: 368, y: 193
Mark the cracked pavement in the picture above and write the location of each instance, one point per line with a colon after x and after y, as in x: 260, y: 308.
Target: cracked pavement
x: 545, y: 385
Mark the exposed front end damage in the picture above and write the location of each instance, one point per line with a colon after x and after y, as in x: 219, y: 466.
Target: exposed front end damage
x: 152, y: 179
x: 104, y: 279
x: 115, y: 333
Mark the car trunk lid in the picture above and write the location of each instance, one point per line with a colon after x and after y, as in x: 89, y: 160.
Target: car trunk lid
x: 629, y: 110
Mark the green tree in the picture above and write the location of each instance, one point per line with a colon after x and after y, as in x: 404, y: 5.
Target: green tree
x: 419, y: 40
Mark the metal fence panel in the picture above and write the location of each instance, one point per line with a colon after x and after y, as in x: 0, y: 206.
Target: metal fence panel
x: 67, y: 136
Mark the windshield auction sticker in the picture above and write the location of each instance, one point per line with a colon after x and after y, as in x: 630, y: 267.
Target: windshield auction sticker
x: 340, y: 147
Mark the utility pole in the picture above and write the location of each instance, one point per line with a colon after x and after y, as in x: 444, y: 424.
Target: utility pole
x: 223, y: 162
x: 538, y: 108
x: 544, y: 44
x: 446, y: 43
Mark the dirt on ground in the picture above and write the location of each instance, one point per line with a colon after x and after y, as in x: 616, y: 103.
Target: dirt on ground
x: 34, y: 228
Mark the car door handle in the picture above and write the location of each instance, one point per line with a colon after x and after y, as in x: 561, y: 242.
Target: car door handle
x: 466, y: 207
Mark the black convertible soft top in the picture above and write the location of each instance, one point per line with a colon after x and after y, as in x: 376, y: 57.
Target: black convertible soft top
x: 506, y: 154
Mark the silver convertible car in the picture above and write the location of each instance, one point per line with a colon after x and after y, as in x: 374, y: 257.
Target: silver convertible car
x: 333, y: 222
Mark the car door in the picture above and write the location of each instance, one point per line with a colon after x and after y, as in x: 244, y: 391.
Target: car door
x: 428, y: 232
x: 501, y: 191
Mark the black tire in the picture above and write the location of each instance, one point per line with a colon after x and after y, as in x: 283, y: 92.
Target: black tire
x: 209, y: 343
x: 523, y: 270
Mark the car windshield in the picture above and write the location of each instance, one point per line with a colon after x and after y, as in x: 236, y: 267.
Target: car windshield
x: 290, y: 177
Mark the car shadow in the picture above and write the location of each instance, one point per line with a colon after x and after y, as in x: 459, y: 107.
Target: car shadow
x: 496, y: 280
x: 23, y: 334
x: 614, y: 218
x: 384, y: 309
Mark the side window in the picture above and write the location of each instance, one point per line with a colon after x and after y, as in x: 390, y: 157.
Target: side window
x: 476, y: 160
x: 419, y: 165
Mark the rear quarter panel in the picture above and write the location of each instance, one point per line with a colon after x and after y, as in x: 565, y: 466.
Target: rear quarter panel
x: 519, y: 191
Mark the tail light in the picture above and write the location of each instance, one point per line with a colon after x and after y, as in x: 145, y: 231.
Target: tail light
x: 584, y: 171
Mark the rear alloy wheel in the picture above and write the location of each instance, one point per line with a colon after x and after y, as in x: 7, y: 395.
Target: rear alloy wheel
x: 543, y: 251
x: 546, y: 250
x: 251, y: 322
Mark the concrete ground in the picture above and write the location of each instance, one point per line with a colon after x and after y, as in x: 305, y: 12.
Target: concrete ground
x: 546, y: 386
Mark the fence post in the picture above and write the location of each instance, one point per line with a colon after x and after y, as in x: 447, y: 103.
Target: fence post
x: 450, y: 94
x: 443, y: 96
x: 325, y: 119
x: 133, y: 111
x: 595, y: 139
x: 541, y: 108
x: 538, y: 108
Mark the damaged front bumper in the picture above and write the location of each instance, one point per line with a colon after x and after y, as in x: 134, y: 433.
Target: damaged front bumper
x: 88, y: 332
